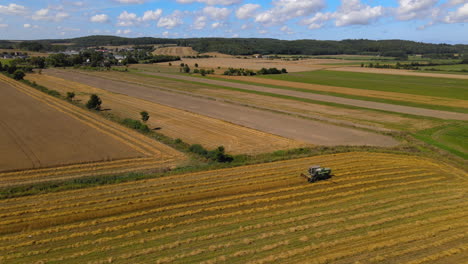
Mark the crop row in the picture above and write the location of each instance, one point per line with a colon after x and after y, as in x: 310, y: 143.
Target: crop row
x: 277, y: 225
x: 155, y: 193
x: 117, y: 219
x: 415, y: 227
x: 290, y: 220
x: 159, y: 199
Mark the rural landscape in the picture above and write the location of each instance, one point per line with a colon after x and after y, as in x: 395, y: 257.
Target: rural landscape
x: 232, y: 150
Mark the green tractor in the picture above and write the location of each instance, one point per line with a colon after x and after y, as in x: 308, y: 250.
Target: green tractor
x: 317, y: 173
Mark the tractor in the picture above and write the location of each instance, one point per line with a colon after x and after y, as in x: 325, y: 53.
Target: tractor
x: 317, y: 173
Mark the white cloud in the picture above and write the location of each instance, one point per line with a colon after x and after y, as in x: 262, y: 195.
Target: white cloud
x: 127, y: 19
x: 286, y: 30
x: 411, y: 9
x: 45, y: 15
x: 216, y: 13
x: 247, y: 11
x: 13, y: 9
x: 285, y: 10
x: 458, y: 16
x: 3, y: 25
x: 216, y: 25
x: 318, y: 20
x: 27, y: 25
x: 353, y: 12
x: 152, y: 15
x: 200, y: 22
x: 101, y: 18
x: 211, y: 2
x: 170, y: 21
x: 130, y: 1
x: 123, y: 32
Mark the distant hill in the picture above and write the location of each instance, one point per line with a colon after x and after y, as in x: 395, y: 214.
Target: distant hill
x: 248, y: 46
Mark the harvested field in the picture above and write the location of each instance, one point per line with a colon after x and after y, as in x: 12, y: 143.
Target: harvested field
x: 257, y: 64
x: 432, y: 100
x: 266, y: 121
x: 399, y: 209
x: 176, y: 51
x: 399, y: 72
x: 43, y: 137
x: 190, y: 127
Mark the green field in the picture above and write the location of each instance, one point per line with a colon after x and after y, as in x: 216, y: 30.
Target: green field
x: 452, y: 138
x: 454, y: 67
x: 439, y: 87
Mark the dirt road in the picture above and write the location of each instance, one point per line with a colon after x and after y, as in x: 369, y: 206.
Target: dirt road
x: 326, y: 98
x: 287, y: 126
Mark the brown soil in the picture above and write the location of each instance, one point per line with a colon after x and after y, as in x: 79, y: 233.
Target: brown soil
x: 279, y: 124
x: 399, y: 72
x: 35, y: 135
x: 190, y: 127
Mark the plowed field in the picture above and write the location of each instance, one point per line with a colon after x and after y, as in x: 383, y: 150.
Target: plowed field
x: 377, y: 208
x: 176, y: 51
x: 43, y: 137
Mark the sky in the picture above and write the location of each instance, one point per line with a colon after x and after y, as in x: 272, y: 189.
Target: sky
x: 434, y: 21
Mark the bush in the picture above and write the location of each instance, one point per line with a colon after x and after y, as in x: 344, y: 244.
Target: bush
x: 144, y: 116
x: 216, y: 155
x: 94, y: 102
x: 135, y: 124
x: 70, y: 96
x: 18, y: 75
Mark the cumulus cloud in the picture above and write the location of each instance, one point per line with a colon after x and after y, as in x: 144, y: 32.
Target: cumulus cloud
x: 412, y: 9
x: 286, y: 30
x: 30, y: 26
x: 152, y: 15
x: 216, y: 25
x: 247, y: 11
x: 45, y: 15
x: 200, y: 22
x: 318, y: 20
x: 100, y: 18
x: 285, y: 10
x: 216, y: 13
x: 353, y: 12
x: 170, y: 21
x: 211, y: 2
x: 13, y: 9
x: 3, y: 25
x: 123, y: 31
x: 458, y: 16
x: 127, y: 19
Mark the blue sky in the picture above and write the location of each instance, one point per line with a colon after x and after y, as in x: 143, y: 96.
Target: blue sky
x: 436, y: 21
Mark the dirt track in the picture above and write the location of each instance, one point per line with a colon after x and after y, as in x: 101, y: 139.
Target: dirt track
x: 399, y: 72
x: 327, y: 98
x: 34, y: 135
x: 282, y: 125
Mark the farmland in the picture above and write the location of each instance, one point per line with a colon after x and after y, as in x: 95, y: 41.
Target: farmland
x: 175, y: 51
x: 401, y: 209
x: 267, y: 121
x: 190, y: 127
x: 83, y: 144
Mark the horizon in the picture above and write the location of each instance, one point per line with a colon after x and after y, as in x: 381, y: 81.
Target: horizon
x: 428, y: 21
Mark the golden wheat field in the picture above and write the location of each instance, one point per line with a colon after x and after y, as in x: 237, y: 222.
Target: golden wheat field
x: 70, y: 144
x: 377, y: 208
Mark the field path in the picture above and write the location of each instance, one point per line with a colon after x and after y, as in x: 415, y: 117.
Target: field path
x: 287, y: 126
x: 326, y: 98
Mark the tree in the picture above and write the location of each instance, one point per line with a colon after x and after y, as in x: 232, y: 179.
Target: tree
x: 144, y: 116
x: 94, y: 102
x: 18, y: 75
x: 186, y: 69
x: 70, y: 96
x: 1, y: 67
